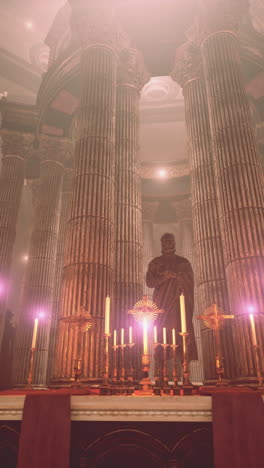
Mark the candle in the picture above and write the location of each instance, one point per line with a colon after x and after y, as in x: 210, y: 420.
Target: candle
x: 155, y: 337
x: 114, y: 337
x: 130, y: 335
x: 164, y: 336
x: 253, y: 329
x: 173, y: 337
x: 35, y: 330
x: 145, y: 337
x: 183, y: 314
x: 107, y: 315
x: 122, y: 336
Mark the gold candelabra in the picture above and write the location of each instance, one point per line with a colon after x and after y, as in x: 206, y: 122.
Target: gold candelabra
x: 214, y: 318
x: 176, y: 388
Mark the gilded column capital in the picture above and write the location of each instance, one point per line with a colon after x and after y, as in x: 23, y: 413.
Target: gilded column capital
x: 94, y: 23
x: 131, y: 69
x: 56, y: 149
x: 217, y: 16
x: 16, y: 143
x: 187, y: 64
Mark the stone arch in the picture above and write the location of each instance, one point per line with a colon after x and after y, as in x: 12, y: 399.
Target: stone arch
x: 125, y: 447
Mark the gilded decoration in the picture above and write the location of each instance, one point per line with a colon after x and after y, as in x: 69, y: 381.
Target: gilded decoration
x: 55, y: 148
x: 17, y: 143
x: 187, y: 64
x: 131, y: 69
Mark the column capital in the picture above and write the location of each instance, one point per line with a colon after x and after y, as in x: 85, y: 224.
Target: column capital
x: 94, y: 23
x: 54, y: 148
x: 131, y: 69
x: 217, y: 16
x: 149, y: 209
x: 187, y: 64
x: 16, y: 143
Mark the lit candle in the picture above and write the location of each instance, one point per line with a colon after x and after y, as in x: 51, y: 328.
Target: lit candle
x: 114, y: 337
x: 183, y: 314
x: 173, y: 337
x: 164, y: 336
x: 122, y: 336
x: 145, y: 337
x: 253, y: 329
x: 107, y: 315
x: 155, y: 337
x: 35, y: 331
x: 130, y: 335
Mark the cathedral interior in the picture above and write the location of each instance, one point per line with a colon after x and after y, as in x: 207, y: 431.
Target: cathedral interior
x: 122, y: 121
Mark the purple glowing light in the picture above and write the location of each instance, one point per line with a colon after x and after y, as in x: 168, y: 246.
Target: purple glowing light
x: 251, y: 309
x: 41, y: 314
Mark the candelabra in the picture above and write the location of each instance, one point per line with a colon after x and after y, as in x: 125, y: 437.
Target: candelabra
x: 157, y: 372
x: 77, y: 369
x: 214, y: 318
x: 130, y: 379
x: 114, y: 375
x: 105, y: 387
x: 165, y: 378
x: 176, y: 388
x: 259, y: 370
x: 31, y: 366
x: 187, y: 385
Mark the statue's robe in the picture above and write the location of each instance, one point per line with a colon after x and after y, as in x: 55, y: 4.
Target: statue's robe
x: 167, y: 296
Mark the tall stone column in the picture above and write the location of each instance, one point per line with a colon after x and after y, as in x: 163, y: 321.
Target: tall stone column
x: 66, y: 198
x: 128, y: 220
x: 88, y: 267
x: 238, y: 175
x: 149, y: 209
x: 14, y: 148
x: 210, y: 280
x: 40, y: 275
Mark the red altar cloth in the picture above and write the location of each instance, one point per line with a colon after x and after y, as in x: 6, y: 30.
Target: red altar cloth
x: 238, y: 428
x: 45, y: 432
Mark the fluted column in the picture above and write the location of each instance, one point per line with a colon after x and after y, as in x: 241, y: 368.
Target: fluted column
x: 238, y: 174
x: 39, y: 282
x: 210, y: 280
x: 149, y: 209
x: 15, y: 149
x: 88, y: 267
x: 128, y: 219
x: 66, y: 198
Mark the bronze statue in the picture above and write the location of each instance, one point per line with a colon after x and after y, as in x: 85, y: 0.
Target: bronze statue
x: 170, y: 275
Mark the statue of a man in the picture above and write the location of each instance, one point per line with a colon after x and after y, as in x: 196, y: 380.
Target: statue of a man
x: 170, y: 275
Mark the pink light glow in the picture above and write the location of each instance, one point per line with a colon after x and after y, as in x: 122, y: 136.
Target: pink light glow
x: 41, y: 314
x: 251, y: 309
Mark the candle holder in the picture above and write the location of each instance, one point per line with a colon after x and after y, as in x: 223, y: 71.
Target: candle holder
x: 145, y: 383
x: 105, y: 387
x: 176, y: 388
x: 121, y: 386
x: 114, y: 376
x: 157, y: 372
x: 259, y: 370
x: 130, y: 379
x: 165, y: 378
x: 77, y: 369
x: 187, y: 384
x: 31, y: 367
x: 214, y: 318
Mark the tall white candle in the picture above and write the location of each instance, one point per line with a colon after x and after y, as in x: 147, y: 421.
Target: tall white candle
x: 107, y: 315
x: 35, y: 331
x: 173, y: 337
x: 114, y: 337
x: 122, y: 336
x: 130, y: 335
x: 155, y: 336
x: 183, y: 314
x: 253, y: 329
x: 164, y: 336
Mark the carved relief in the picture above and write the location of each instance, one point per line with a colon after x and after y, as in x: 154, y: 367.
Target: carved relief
x: 57, y: 149
x: 131, y: 69
x: 17, y: 143
x: 187, y: 65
